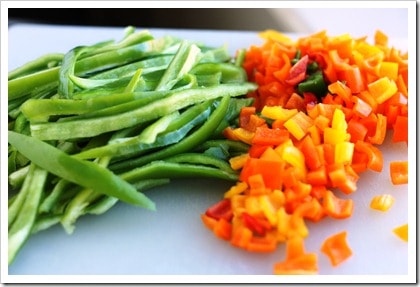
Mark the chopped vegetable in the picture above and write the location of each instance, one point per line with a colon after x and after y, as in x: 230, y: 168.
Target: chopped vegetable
x: 323, y: 107
x: 399, y: 172
x: 336, y: 248
x: 83, y: 173
x: 220, y: 210
x: 382, y: 202
x: 400, y: 129
x: 401, y: 232
x: 297, y: 261
x: 22, y: 216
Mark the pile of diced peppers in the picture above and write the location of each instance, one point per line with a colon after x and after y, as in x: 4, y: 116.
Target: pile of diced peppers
x: 323, y: 107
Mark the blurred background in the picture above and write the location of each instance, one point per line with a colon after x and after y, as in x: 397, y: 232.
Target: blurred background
x: 356, y: 21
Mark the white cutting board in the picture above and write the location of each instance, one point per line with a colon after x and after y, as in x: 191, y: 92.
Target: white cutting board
x: 173, y: 241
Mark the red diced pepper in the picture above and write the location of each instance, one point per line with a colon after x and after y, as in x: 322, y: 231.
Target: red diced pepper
x: 270, y: 137
x: 253, y: 224
x: 221, y: 209
x: 298, y: 71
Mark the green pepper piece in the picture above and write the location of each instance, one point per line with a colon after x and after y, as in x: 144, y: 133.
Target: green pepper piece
x: 37, y: 110
x: 314, y: 84
x: 51, y: 200
x: 17, y: 177
x: 312, y: 67
x: 234, y: 147
x: 201, y: 159
x: 297, y: 57
x: 45, y: 222
x: 22, y: 218
x: 230, y: 72
x: 22, y: 86
x: 240, y: 57
x: 131, y: 37
x: 186, y: 57
x: 147, y: 65
x: 65, y: 84
x: 77, y: 206
x: 84, y: 173
x: 161, y: 168
x: 214, y: 55
x: 39, y: 64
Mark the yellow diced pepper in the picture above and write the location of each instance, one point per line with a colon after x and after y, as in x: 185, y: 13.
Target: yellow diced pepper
x: 268, y: 209
x: 276, y: 36
x: 382, y: 89
x: 295, y: 158
x: 402, y: 232
x: 283, y: 224
x: 298, y: 125
x: 244, y: 135
x: 381, y: 39
x: 382, y: 202
x: 344, y: 152
x: 343, y: 43
x: 238, y: 188
x: 252, y: 206
x: 277, y: 198
x: 297, y: 227
x: 334, y: 136
x: 389, y: 69
x: 237, y: 162
x: 368, y: 50
x: 237, y: 203
x: 339, y: 120
x: 278, y: 113
x: 280, y: 149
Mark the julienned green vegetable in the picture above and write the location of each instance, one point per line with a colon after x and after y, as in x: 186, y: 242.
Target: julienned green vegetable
x: 104, y: 123
x: 84, y: 173
x: 95, y: 126
x: 22, y: 219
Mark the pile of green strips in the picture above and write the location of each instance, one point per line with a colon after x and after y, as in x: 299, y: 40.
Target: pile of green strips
x: 106, y: 122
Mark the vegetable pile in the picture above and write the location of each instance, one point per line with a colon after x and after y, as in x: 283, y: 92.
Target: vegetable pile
x: 323, y: 107
x: 106, y: 122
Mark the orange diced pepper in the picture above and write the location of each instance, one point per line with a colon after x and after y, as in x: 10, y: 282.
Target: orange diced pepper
x: 400, y: 129
x: 336, y: 207
x: 399, y: 172
x: 337, y: 248
x: 223, y: 229
x: 241, y: 237
x: 257, y: 185
x: 297, y: 261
